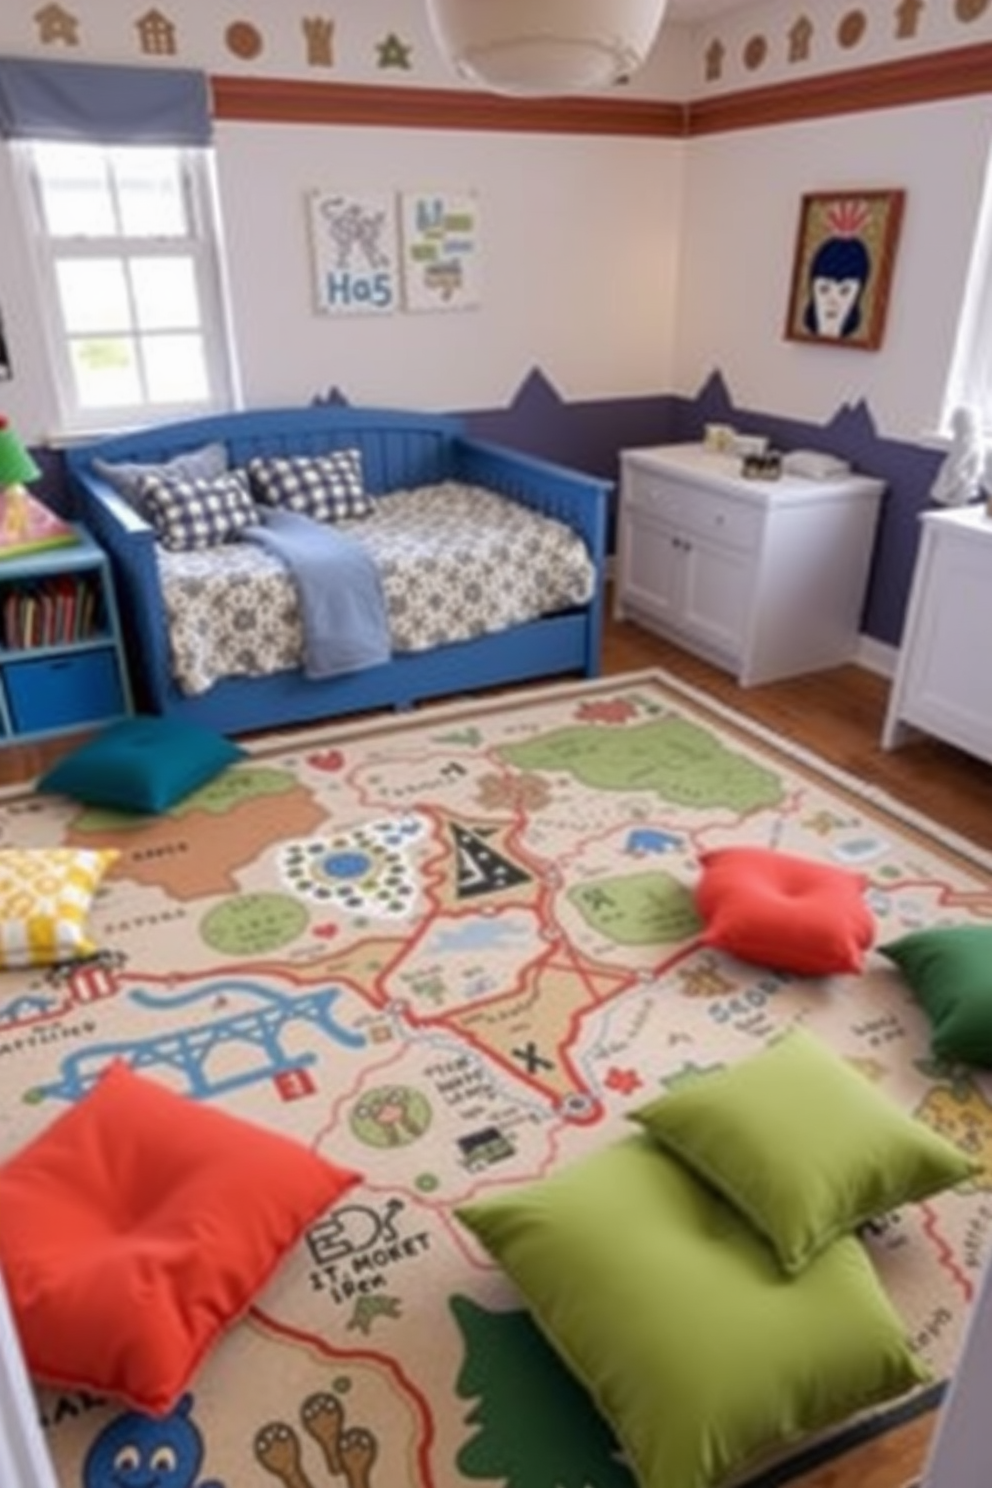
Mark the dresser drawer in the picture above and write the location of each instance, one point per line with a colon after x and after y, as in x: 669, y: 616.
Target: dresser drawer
x: 702, y: 513
x: 55, y: 692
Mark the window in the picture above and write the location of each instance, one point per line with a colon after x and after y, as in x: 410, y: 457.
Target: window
x: 970, y: 381
x: 125, y: 245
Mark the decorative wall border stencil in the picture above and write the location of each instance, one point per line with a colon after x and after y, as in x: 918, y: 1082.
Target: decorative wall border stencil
x: 244, y: 40
x: 908, y: 19
x: 440, y: 250
x: 852, y: 28
x: 801, y: 39
x: 56, y: 24
x: 970, y: 10
x: 392, y: 52
x: 715, y: 53
x: 355, y: 253
x: 845, y: 250
x: 756, y: 53
x: 318, y: 34
x: 156, y: 34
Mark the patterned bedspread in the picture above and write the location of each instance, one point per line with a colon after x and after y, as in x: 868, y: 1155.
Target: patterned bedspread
x: 456, y: 561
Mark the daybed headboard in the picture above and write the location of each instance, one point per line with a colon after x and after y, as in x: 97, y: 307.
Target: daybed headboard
x: 398, y: 448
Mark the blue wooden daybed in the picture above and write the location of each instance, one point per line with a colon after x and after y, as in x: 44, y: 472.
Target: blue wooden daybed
x: 399, y: 450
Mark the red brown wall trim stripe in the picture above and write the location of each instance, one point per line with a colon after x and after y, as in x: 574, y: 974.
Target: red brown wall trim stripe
x: 927, y: 79
x: 284, y: 101
x: 957, y: 73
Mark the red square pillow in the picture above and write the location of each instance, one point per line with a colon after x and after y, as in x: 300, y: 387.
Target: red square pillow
x: 789, y: 913
x: 138, y: 1226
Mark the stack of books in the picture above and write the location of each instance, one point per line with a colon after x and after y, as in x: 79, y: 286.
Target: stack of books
x: 48, y: 612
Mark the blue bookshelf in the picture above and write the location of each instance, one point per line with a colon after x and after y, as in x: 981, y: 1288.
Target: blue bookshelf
x: 62, y: 661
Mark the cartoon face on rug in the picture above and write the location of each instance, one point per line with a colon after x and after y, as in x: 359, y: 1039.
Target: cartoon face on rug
x: 138, y: 1451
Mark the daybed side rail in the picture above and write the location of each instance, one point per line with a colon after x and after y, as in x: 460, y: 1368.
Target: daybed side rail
x: 579, y: 500
x: 130, y: 542
x: 571, y: 496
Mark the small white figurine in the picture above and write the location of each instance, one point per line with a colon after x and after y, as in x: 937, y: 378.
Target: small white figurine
x: 959, y: 479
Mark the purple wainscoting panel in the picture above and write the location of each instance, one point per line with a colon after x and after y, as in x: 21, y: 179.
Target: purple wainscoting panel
x: 590, y: 435
x: 50, y: 487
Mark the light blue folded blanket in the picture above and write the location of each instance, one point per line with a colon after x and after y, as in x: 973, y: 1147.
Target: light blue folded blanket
x: 342, y: 608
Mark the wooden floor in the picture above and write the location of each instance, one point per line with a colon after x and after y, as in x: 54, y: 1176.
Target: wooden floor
x: 838, y: 715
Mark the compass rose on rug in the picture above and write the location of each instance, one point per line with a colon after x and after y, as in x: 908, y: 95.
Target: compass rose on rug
x: 366, y: 871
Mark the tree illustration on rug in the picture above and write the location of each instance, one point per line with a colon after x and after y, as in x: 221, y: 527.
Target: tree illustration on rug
x: 537, y: 1427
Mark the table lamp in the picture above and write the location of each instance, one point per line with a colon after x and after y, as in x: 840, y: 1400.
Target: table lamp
x: 16, y: 467
x: 26, y: 525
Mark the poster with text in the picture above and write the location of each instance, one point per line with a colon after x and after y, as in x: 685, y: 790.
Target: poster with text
x: 440, y: 233
x: 355, y: 253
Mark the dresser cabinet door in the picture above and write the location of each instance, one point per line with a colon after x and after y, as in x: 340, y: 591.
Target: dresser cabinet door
x: 943, y: 681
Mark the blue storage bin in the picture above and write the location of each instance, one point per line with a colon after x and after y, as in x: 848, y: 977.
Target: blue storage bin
x: 54, y: 692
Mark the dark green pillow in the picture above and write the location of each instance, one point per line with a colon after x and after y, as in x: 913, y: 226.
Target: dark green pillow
x: 804, y: 1146
x: 672, y: 1311
x: 142, y: 764
x: 950, y: 972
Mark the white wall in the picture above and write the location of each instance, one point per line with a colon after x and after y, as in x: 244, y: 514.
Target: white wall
x: 621, y: 267
x: 743, y: 191
x: 579, y: 235
x: 579, y: 261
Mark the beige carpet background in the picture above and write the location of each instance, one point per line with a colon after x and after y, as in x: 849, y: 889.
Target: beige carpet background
x: 453, y: 951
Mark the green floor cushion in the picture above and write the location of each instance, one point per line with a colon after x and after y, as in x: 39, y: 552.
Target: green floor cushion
x: 950, y: 972
x: 776, y: 909
x: 142, y: 764
x: 672, y: 1311
x: 804, y: 1146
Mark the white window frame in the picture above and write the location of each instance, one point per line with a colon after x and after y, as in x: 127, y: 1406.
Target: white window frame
x: 969, y: 382
x: 203, y: 244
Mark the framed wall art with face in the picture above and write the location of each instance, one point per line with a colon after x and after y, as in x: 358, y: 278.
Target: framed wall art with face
x: 842, y: 271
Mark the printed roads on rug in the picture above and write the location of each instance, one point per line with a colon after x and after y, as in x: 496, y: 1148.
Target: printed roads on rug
x: 454, y: 952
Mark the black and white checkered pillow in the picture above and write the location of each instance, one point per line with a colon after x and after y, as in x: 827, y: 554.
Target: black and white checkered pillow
x: 326, y: 487
x: 191, y: 513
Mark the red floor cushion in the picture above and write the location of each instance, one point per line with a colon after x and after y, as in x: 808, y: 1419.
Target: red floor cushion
x: 785, y: 912
x: 138, y: 1225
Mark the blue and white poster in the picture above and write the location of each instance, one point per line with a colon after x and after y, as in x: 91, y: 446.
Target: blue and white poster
x: 440, y: 250
x: 355, y: 253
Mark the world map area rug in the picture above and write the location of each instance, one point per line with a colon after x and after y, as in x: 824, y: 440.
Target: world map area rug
x: 453, y: 950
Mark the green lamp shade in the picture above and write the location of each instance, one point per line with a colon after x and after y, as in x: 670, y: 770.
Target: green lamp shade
x: 16, y: 465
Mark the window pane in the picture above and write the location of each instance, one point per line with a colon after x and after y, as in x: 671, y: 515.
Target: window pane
x: 93, y: 294
x: 165, y: 295
x: 150, y: 193
x: 175, y: 368
x: 106, y: 371
x: 75, y: 191
x: 127, y: 250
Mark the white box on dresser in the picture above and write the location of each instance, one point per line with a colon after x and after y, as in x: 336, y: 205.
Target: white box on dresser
x: 765, y: 578
x: 943, y: 680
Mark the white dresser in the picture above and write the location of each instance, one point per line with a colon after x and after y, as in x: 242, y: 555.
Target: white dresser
x: 943, y: 680
x: 765, y: 578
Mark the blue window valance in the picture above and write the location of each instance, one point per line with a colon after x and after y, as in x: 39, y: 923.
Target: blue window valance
x: 102, y: 103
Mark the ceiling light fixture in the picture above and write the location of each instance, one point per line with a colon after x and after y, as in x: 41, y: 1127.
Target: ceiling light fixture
x: 545, y: 47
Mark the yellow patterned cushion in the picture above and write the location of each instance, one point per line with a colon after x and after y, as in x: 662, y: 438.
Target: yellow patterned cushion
x: 45, y: 897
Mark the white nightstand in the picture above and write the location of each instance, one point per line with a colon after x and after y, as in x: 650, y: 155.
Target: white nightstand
x: 765, y: 578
